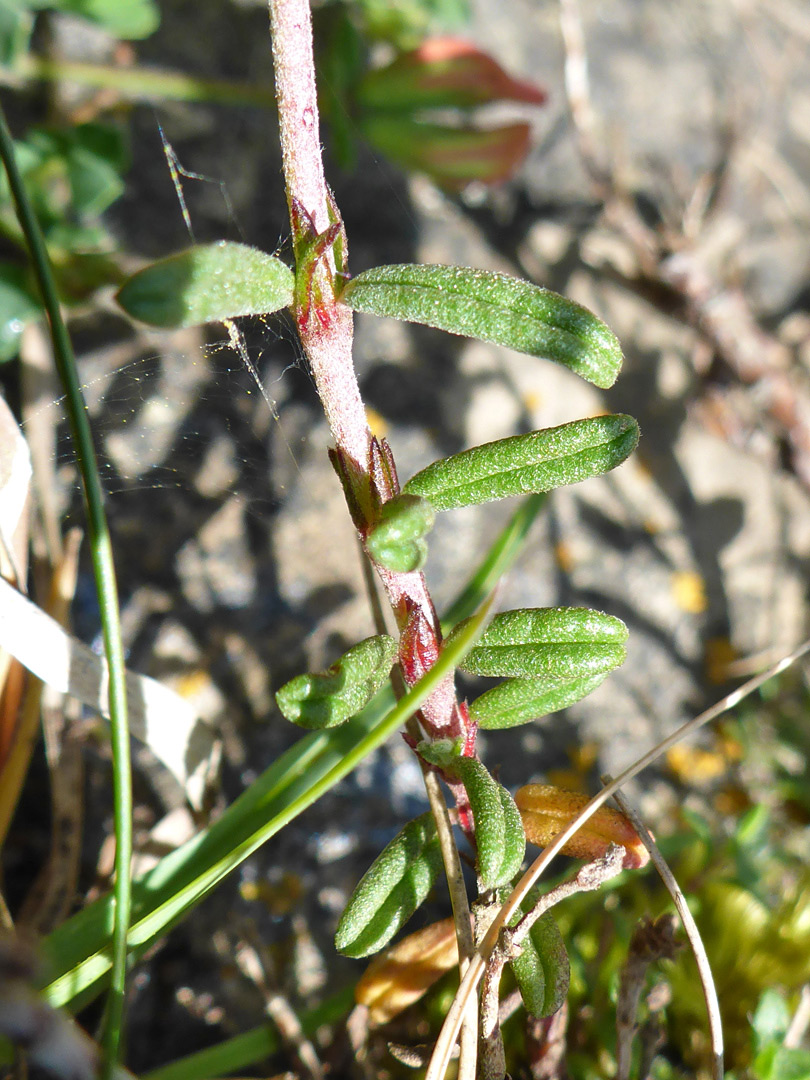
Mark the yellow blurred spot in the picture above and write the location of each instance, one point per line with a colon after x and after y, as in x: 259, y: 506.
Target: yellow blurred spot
x: 693, y: 765
x: 570, y: 779
x: 532, y: 400
x: 563, y: 557
x: 689, y: 591
x: 376, y: 423
x: 732, y: 801
x: 192, y: 683
x: 279, y: 898
x: 720, y: 653
x: 651, y: 527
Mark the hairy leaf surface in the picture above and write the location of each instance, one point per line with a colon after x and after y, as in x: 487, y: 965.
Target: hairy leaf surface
x: 207, y: 283
x: 520, y: 464
x: 492, y: 307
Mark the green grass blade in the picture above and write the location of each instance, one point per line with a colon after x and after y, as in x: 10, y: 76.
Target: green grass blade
x: 78, y: 952
x: 496, y: 562
x: 104, y: 572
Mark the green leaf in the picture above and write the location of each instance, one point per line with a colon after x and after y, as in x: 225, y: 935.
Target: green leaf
x: 519, y: 701
x: 451, y: 156
x: 514, y: 841
x: 396, y: 539
x: 563, y: 643
x: 208, y: 283
x: 520, y: 464
x: 542, y: 970
x: 126, y: 19
x: 317, y: 701
x: 391, y: 889
x: 499, y: 834
x: 487, y: 809
x: 492, y: 307
x: 17, y: 306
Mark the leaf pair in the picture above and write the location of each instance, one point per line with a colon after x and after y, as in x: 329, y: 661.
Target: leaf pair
x: 213, y: 282
x: 551, y: 656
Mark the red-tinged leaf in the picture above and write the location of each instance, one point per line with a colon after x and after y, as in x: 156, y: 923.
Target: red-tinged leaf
x: 442, y: 73
x: 451, y: 156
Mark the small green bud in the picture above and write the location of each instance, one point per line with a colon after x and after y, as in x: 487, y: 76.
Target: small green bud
x: 396, y: 538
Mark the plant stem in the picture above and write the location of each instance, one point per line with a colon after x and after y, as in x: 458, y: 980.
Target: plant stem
x: 327, y: 343
x: 106, y: 588
x: 327, y: 333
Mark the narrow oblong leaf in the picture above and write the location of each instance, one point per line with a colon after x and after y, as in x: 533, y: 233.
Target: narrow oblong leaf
x: 317, y: 701
x: 519, y: 701
x: 520, y: 464
x: 487, y: 808
x: 492, y: 307
x: 542, y: 970
x: 443, y: 73
x: 563, y: 643
x: 391, y: 889
x: 499, y: 833
x: 452, y: 156
x: 207, y: 283
x: 547, y: 810
x: 396, y: 538
x: 514, y: 839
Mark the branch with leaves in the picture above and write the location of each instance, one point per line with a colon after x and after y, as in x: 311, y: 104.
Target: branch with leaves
x: 549, y: 657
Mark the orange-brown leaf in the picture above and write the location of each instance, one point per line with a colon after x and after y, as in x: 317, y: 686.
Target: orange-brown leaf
x: 402, y: 974
x: 547, y: 810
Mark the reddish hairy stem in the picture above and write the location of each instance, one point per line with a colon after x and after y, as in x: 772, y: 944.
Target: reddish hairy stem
x: 326, y: 331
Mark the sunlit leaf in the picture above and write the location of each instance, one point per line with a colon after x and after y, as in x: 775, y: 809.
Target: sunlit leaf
x: 499, y: 835
x: 539, y: 461
x: 208, y: 283
x: 547, y: 810
x: 391, y: 890
x: 519, y: 701
x: 491, y: 307
x: 563, y: 643
x: 316, y: 701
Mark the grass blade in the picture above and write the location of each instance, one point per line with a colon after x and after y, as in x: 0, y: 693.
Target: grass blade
x: 104, y: 572
x: 79, y: 951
